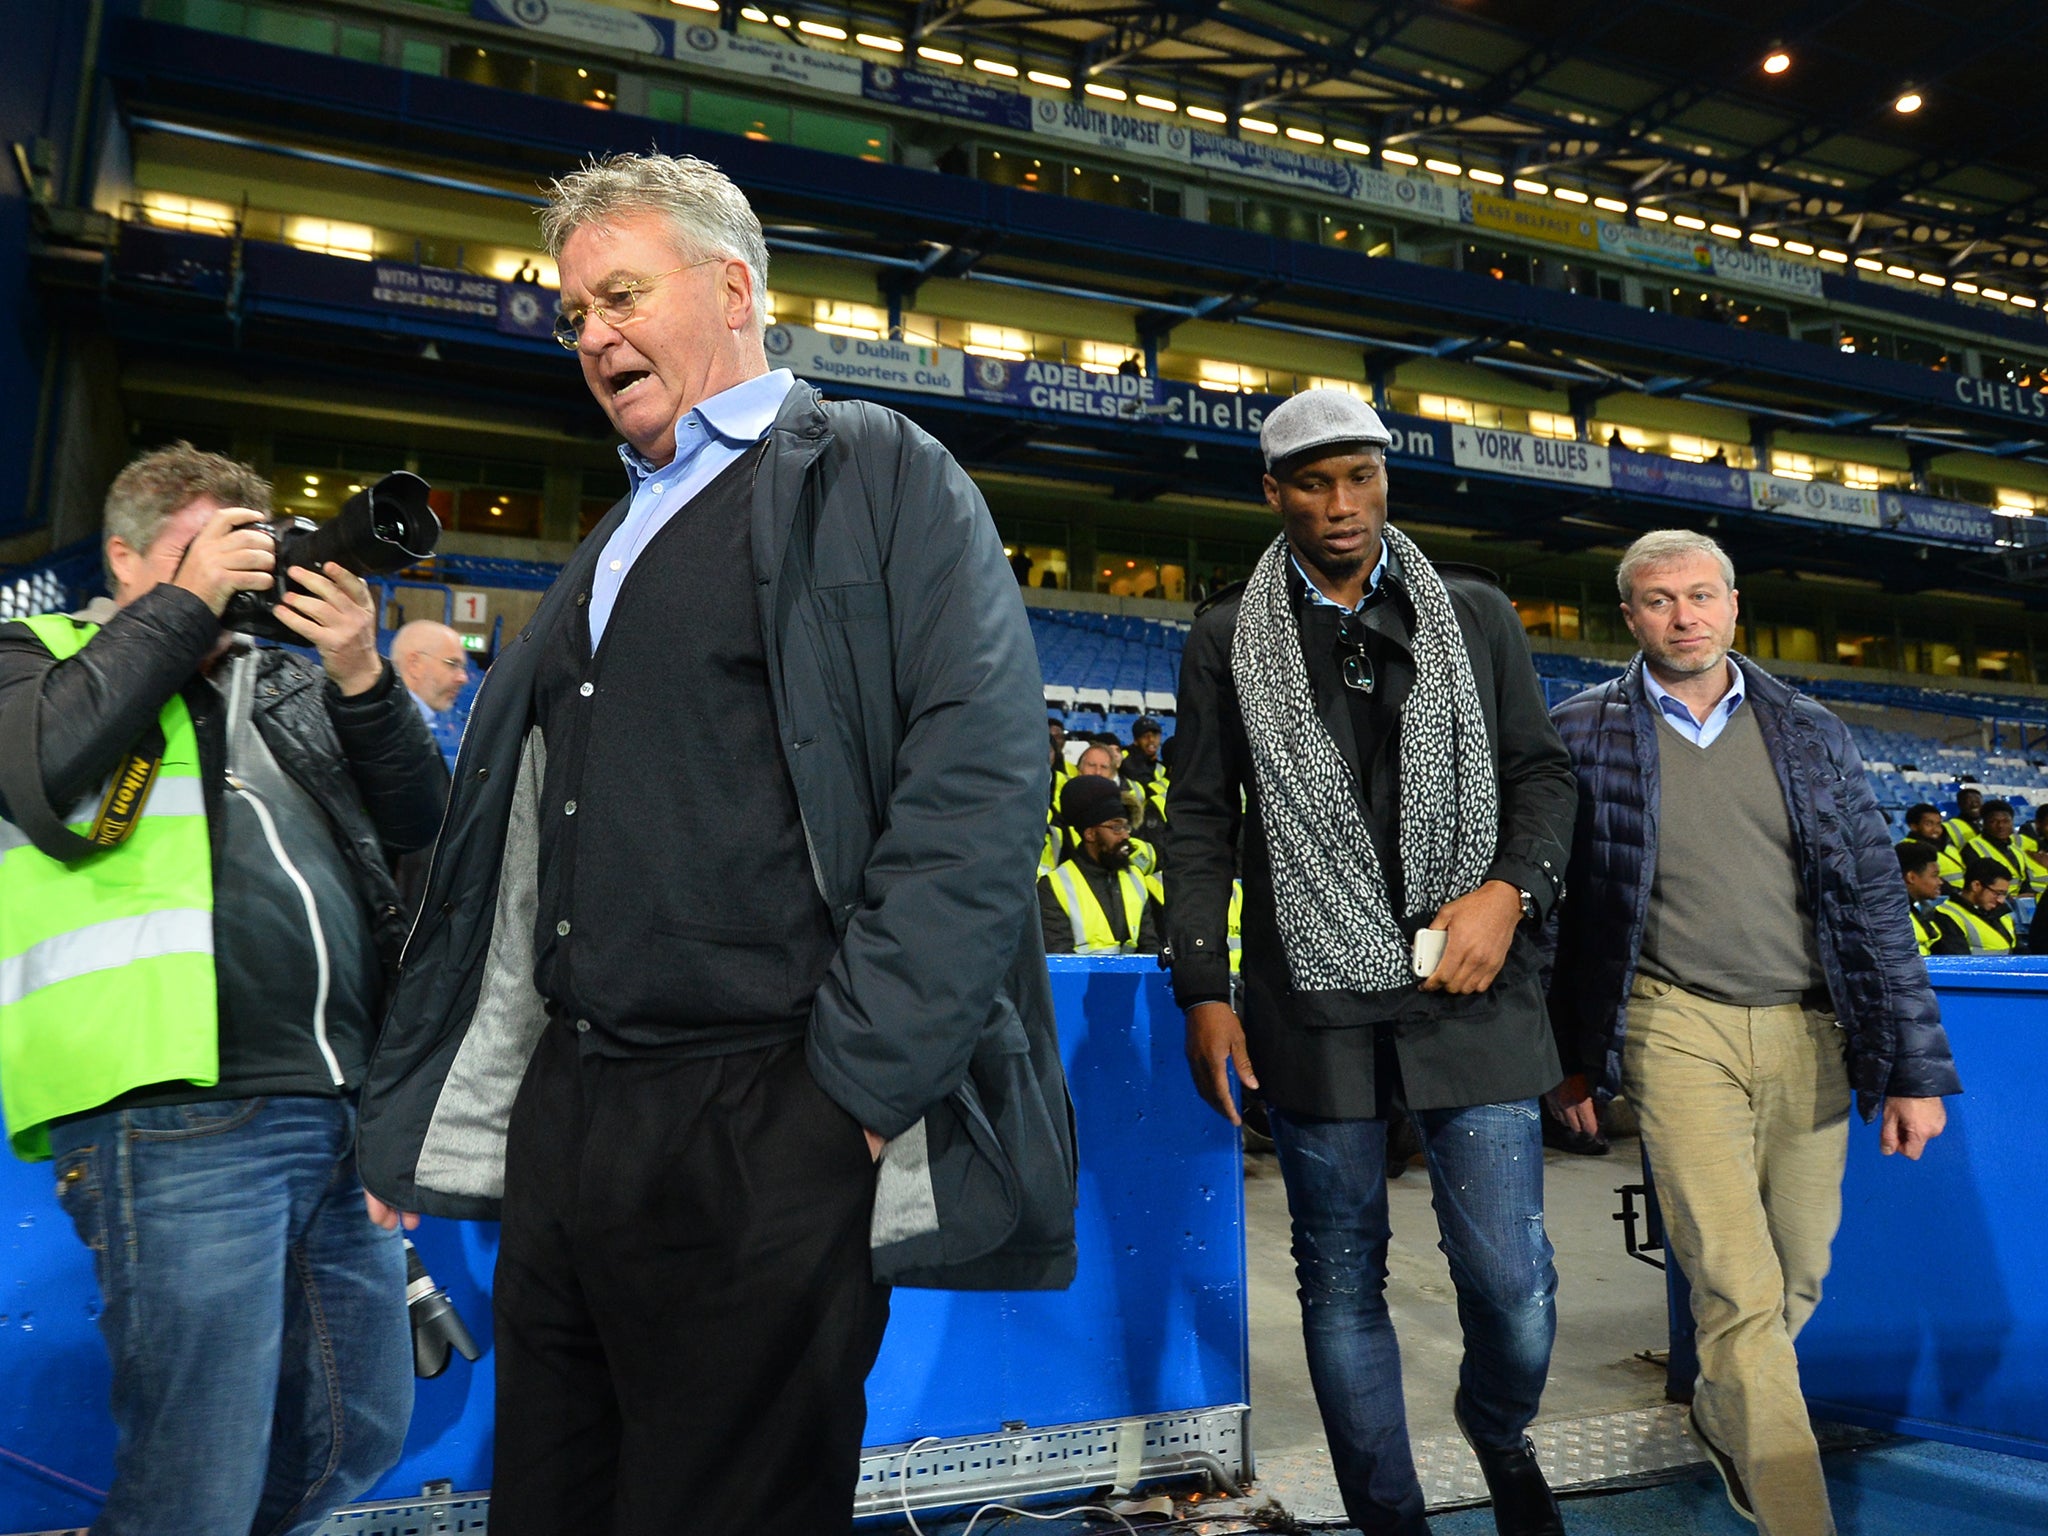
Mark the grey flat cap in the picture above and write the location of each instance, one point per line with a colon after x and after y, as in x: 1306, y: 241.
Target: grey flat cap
x: 1316, y: 418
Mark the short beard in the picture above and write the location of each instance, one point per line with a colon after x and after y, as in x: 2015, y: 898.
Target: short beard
x: 1665, y: 662
x: 1336, y: 567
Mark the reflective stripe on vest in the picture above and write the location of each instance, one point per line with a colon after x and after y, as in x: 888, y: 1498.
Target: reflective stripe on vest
x: 1092, y: 933
x: 106, y: 964
x: 1236, y: 931
x: 1926, y: 930
x: 2012, y: 859
x: 1985, y: 936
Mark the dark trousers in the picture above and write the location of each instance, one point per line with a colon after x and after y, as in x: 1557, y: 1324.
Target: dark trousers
x: 684, y: 1305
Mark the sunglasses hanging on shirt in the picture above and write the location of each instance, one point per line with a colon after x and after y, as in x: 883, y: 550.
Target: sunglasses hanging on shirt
x: 1353, y: 665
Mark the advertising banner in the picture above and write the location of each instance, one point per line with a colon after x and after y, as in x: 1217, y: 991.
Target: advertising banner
x: 1564, y: 460
x: 582, y: 21
x: 1270, y: 162
x: 1948, y: 522
x: 810, y: 69
x: 1653, y: 245
x: 966, y: 100
x: 1529, y: 221
x: 1760, y: 269
x: 900, y: 365
x: 1115, y: 133
x: 1404, y: 194
x: 1650, y: 474
x: 433, y: 290
x: 1815, y: 499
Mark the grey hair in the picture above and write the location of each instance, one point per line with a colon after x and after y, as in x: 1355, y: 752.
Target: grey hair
x: 167, y: 480
x: 1662, y: 547
x: 706, y: 213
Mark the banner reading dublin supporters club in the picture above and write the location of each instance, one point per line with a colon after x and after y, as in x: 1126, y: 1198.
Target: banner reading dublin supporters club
x: 855, y: 360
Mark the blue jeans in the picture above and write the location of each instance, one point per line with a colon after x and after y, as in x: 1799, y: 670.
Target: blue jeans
x: 1486, y: 1178
x: 254, y: 1315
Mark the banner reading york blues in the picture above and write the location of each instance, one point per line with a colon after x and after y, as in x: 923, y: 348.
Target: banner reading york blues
x: 1530, y: 458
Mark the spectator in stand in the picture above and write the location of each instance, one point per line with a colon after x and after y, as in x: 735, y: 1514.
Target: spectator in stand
x: 2034, y: 836
x: 1924, y: 824
x: 1998, y: 845
x: 1096, y: 761
x: 1970, y: 810
x: 1141, y: 766
x: 1099, y: 760
x: 1919, y: 864
x: 1979, y: 920
x: 1062, y: 770
x: 1094, y: 902
x: 430, y: 661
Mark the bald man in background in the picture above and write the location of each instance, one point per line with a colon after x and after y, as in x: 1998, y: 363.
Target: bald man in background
x: 430, y: 661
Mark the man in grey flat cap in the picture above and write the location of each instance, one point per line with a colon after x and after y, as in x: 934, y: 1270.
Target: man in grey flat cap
x: 1365, y: 730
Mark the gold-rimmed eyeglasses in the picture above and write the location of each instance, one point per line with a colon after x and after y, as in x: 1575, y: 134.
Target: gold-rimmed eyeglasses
x: 617, y: 306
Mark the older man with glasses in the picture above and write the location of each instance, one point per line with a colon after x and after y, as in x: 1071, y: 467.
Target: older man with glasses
x: 1365, y: 731
x: 736, y: 892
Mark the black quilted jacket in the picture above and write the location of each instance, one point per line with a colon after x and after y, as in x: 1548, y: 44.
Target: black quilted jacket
x: 1874, y: 973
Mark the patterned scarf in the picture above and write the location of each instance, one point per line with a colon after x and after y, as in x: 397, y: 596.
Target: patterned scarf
x: 1330, y: 894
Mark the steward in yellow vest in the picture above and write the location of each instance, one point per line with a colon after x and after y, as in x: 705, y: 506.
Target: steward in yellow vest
x: 2000, y: 846
x: 1978, y: 922
x: 1095, y: 903
x: 1919, y: 866
x: 1924, y: 824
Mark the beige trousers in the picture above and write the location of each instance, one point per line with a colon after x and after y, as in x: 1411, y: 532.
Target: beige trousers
x: 1745, y: 1115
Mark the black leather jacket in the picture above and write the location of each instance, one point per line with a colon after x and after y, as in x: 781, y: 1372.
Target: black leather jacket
x: 367, y: 760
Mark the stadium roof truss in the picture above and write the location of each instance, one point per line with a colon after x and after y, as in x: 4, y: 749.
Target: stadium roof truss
x: 1662, y: 103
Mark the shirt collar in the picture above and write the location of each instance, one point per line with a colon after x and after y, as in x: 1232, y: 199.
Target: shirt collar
x: 1671, y: 705
x: 1316, y: 598
x: 739, y: 415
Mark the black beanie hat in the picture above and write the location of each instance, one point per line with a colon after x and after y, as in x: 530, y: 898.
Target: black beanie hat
x: 1089, y: 800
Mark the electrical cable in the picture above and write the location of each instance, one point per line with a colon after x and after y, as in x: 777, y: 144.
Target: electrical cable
x: 52, y: 1473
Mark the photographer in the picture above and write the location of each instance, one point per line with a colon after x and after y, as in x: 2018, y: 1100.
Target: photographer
x: 190, y: 980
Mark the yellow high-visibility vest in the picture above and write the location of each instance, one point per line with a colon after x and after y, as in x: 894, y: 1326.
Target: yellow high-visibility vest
x: 1092, y: 932
x: 106, y: 963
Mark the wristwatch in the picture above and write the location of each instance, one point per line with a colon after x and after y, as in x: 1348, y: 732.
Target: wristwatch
x: 1529, y: 910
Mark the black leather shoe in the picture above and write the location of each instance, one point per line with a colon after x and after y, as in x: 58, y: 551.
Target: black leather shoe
x: 1738, y: 1496
x: 1523, y: 1504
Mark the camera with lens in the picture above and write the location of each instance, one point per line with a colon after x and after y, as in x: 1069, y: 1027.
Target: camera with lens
x: 382, y: 528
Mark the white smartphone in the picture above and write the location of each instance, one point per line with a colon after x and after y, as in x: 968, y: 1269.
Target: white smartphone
x: 1429, y: 951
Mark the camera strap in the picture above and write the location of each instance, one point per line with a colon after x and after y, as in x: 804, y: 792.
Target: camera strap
x: 28, y: 805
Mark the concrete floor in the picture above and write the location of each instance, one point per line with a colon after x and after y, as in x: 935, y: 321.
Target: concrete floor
x: 1609, y: 1306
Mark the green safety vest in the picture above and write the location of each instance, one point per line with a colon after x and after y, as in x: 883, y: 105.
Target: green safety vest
x: 106, y: 964
x: 1092, y: 933
x: 1986, y: 937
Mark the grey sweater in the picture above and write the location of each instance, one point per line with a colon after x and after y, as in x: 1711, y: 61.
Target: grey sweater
x: 1728, y: 920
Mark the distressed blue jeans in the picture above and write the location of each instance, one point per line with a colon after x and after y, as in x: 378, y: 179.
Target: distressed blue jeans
x: 1486, y: 1179
x: 254, y: 1316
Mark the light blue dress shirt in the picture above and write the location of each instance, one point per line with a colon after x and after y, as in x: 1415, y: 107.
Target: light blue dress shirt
x: 1699, y: 733
x: 1316, y: 598
x: 426, y: 712
x: 708, y: 438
